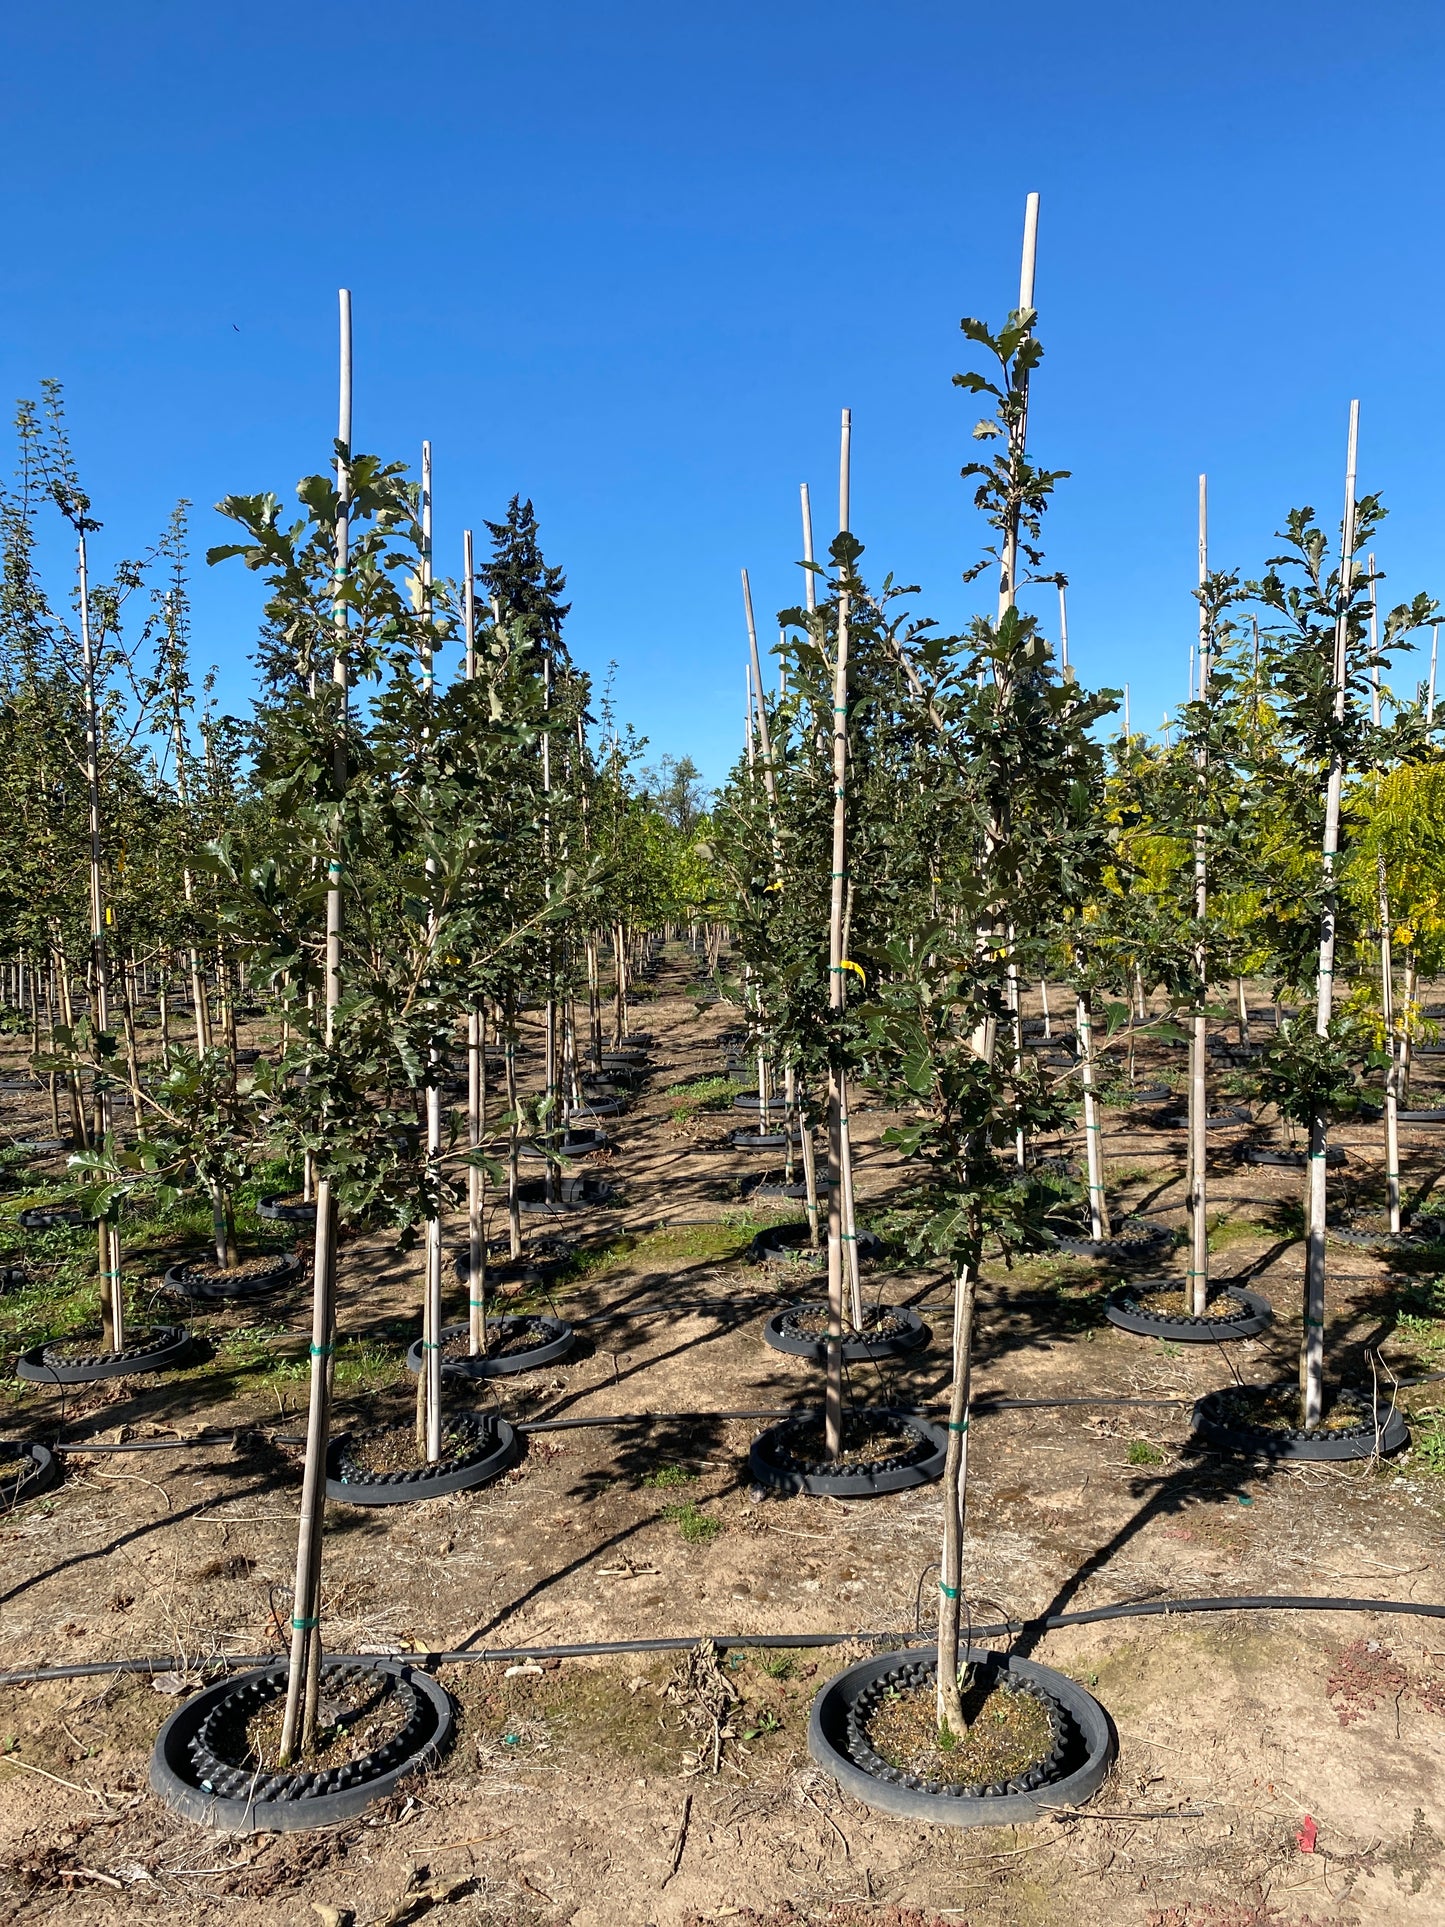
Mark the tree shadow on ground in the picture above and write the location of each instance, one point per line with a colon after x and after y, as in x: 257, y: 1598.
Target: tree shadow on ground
x: 1199, y: 1479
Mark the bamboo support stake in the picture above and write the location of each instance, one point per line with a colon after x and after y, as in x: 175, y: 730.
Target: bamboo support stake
x: 304, y: 1675
x: 833, y: 1391
x: 476, y: 1039
x: 1066, y: 668
x: 1312, y: 1350
x: 108, y: 1235
x: 1387, y: 964
x: 1198, y: 1042
x: 755, y: 686
x: 1434, y: 656
x: 1098, y: 1204
x: 810, y: 1162
x: 429, y: 1379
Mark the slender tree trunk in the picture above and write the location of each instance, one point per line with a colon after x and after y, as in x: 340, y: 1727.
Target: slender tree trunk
x: 1407, y: 1030
x: 1241, y: 1009
x: 955, y: 1500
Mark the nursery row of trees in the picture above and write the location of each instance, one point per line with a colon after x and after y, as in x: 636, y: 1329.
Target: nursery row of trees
x: 393, y: 858
x: 427, y: 828
x: 924, y: 822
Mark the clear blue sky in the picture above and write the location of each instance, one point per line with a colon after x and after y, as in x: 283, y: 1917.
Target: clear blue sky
x: 631, y: 259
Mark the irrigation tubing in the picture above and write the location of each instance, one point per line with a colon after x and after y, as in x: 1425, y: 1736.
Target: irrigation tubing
x: 726, y: 1642
x: 983, y: 1407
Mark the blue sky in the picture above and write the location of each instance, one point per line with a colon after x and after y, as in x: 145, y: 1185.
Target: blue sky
x: 631, y: 260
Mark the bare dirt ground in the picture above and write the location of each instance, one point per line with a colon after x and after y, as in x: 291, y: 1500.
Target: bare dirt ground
x: 573, y: 1792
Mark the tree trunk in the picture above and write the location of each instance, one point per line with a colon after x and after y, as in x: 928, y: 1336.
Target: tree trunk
x: 955, y: 1501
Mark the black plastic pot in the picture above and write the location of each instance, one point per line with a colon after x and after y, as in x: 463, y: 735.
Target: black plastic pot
x: 1128, y: 1308
x: 1292, y: 1160
x: 1152, y: 1094
x: 762, y: 1140
x: 580, y: 1144
x: 42, y: 1472
x: 44, y: 1147
x: 1140, y: 1241
x: 194, y: 1280
x: 493, y: 1450
x: 284, y: 1210
x: 1434, y: 1116
x: 1215, y: 1423
x: 784, y: 1243
x: 624, y: 1060
x: 751, y: 1101
x: 554, y: 1340
x: 50, y: 1217
x: 162, y: 1348
x: 573, y: 1194
x: 781, y: 1332
x: 11, y: 1276
x: 1077, y: 1766
x: 637, y: 1040
x: 621, y: 1077
x: 774, y: 1463
x: 1418, y: 1237
x: 188, y: 1774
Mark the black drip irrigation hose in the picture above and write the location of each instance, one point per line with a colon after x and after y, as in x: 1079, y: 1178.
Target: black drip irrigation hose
x: 727, y: 1642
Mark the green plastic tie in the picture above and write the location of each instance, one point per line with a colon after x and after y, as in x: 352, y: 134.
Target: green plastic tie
x: 958, y: 1428
x: 323, y: 1351
x: 1315, y: 1324
x: 949, y: 1592
x: 305, y: 1625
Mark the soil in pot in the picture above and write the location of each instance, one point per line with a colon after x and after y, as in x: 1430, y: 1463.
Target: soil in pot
x: 359, y: 1712
x: 390, y: 1449
x: 811, y: 1321
x: 1277, y: 1408
x: 204, y: 1271
x: 504, y: 1339
x: 870, y: 1439
x: 1010, y: 1729
x: 1180, y: 1304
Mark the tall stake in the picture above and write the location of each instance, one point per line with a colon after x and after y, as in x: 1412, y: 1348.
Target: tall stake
x: 1066, y: 668
x: 304, y: 1679
x: 1198, y: 1042
x: 430, y: 1376
x: 1312, y: 1351
x: 108, y: 1233
x: 1008, y: 574
x: 810, y: 1163
x: 837, y: 994
x: 1387, y: 964
x: 476, y: 1041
